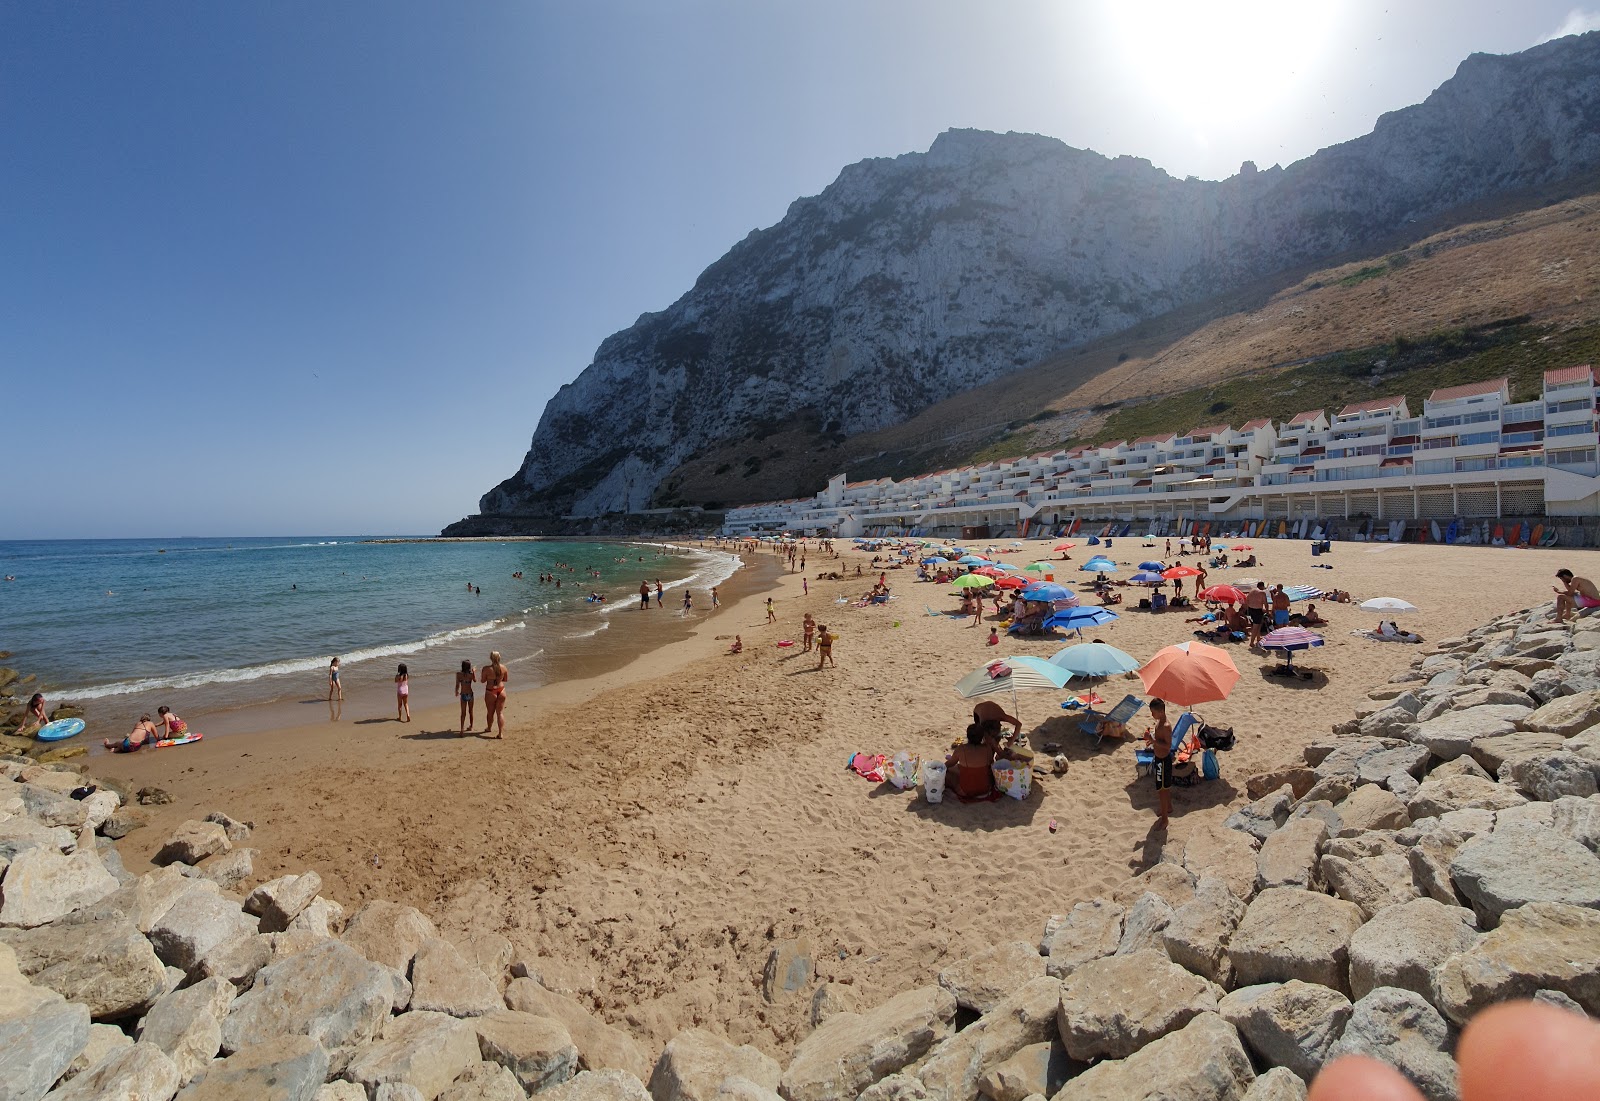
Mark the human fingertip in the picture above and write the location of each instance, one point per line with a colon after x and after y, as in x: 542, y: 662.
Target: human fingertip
x: 1357, y: 1078
x: 1526, y: 1049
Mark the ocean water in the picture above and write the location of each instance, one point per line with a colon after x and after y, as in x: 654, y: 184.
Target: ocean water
x: 217, y: 624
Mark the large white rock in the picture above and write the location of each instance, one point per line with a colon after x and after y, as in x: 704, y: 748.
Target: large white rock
x: 1452, y: 734
x: 187, y: 1025
x: 600, y: 1046
x: 1292, y: 1024
x: 1288, y: 857
x: 100, y: 960
x: 1198, y: 935
x: 279, y: 901
x: 423, y: 1050
x: 40, y: 1034
x: 1540, y: 946
x: 1438, y: 796
x: 192, y: 842
x: 444, y: 982
x: 538, y: 1050
x: 1565, y: 715
x: 598, y: 1085
x: 1400, y: 1028
x: 323, y: 917
x: 1371, y: 882
x: 1276, y: 1084
x: 983, y: 981
x: 1111, y: 1008
x: 137, y: 1073
x: 1228, y: 855
x: 1404, y: 946
x: 1172, y: 883
x: 290, y: 1068
x: 1549, y: 776
x: 1499, y: 872
x: 388, y: 933
x: 1091, y: 930
x: 694, y: 1063
x: 196, y: 923
x: 484, y: 1081
x: 327, y: 992
x: 954, y: 1070
x: 42, y: 885
x: 1203, y: 1061
x: 1288, y: 934
x: 1370, y: 807
x: 1145, y: 924
x: 852, y: 1050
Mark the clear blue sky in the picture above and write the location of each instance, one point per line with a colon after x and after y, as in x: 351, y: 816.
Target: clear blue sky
x: 300, y: 267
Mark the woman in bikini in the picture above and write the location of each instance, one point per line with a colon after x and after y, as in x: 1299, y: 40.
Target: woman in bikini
x: 142, y: 734
x: 402, y: 694
x: 494, y: 677
x: 171, y: 725
x: 465, y: 678
x: 36, y: 714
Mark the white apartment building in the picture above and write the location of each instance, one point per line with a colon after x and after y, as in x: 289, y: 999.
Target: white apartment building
x: 1471, y: 453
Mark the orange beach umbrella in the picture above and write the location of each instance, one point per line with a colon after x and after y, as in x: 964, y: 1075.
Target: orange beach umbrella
x: 1190, y: 673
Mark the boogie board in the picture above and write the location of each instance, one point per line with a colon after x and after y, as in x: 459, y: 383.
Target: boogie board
x: 191, y: 736
x: 61, y: 728
x: 1537, y: 538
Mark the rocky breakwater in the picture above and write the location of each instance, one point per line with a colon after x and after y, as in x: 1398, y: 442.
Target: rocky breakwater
x: 1436, y: 855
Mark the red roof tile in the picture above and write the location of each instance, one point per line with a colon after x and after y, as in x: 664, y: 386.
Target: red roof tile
x: 1374, y: 406
x: 1162, y: 438
x: 1251, y: 426
x: 1581, y: 373
x: 1304, y: 418
x: 1470, y: 390
x: 1209, y: 430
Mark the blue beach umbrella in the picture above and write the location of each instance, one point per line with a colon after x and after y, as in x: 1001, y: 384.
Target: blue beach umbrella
x: 972, y: 560
x: 1098, y: 565
x: 1094, y: 659
x: 1157, y: 566
x: 1076, y: 619
x: 1048, y: 590
x: 1148, y: 577
x: 1007, y: 566
x: 935, y: 560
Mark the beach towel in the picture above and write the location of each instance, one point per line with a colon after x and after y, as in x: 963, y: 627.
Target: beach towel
x: 869, y: 766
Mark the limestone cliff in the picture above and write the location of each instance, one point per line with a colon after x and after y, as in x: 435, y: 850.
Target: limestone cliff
x: 913, y: 278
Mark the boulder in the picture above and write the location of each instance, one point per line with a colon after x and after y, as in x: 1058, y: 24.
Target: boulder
x: 1288, y: 933
x: 735, y: 1088
x: 1298, y: 779
x: 556, y: 976
x: 1371, y: 882
x: 1379, y: 766
x: 483, y: 1081
x: 1540, y: 946
x: 329, y: 993
x: 1266, y: 813
x: 1292, y: 1024
x: 1226, y: 854
x: 953, y: 1070
x: 99, y: 807
x: 1493, y: 752
x: 831, y: 998
x: 1465, y: 766
x: 443, y: 982
x: 1540, y: 815
x: 150, y: 896
x: 1111, y: 1008
x: 895, y: 1087
x: 1370, y: 807
x: 1329, y: 790
x: 1554, y: 998
x: 388, y: 933
x: 1092, y: 930
x: 1203, y: 1061
x: 1276, y: 1084
x: 1288, y: 858
x: 19, y: 832
x: 103, y: 1041
x: 279, y: 901
x: 290, y: 1068
x: 1452, y: 734
x: 139, y: 1072
x: 1499, y: 872
x: 598, y: 1085
x: 852, y: 1050
x: 42, y: 885
x: 40, y: 1034
x: 1197, y: 936
x: 226, y: 870
x: 1405, y: 945
x: 1144, y: 925
x: 192, y: 842
x: 789, y: 970
x: 53, y: 808
x: 196, y: 923
x: 187, y: 1025
x: 1400, y: 1028
x: 1168, y: 882
x: 538, y: 1050
x: 239, y: 960
x: 1578, y: 819
x: 1439, y: 797
x: 423, y: 1050
x: 1036, y: 1069
x: 237, y: 832
x: 694, y: 1063
x: 600, y: 1046
x: 1565, y: 715
x: 983, y: 981
x: 488, y: 952
x: 102, y: 961
x: 323, y: 918
x: 1361, y: 845
x: 1549, y: 776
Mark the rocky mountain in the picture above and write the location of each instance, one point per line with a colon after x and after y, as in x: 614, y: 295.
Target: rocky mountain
x: 914, y: 278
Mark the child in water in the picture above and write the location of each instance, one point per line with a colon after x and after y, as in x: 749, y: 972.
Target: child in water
x: 402, y: 693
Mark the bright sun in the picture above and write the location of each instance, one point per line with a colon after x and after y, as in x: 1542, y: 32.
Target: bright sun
x: 1220, y: 63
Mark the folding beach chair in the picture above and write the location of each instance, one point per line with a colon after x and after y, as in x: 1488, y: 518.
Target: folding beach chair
x: 1144, y: 760
x: 1114, y: 723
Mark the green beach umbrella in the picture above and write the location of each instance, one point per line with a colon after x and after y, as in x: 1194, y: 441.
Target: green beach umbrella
x: 972, y: 581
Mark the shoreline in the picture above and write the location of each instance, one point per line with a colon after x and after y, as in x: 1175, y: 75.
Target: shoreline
x: 663, y: 825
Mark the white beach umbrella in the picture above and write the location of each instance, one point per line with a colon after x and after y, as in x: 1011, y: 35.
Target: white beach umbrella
x: 1386, y: 605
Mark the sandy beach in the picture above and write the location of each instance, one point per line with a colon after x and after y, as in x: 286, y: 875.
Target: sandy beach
x: 658, y: 826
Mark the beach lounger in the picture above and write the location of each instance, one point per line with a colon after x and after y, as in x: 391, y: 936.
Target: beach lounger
x: 1114, y: 723
x: 1144, y: 760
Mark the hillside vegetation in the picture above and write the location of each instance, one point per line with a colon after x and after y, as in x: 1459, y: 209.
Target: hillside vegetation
x: 1494, y: 290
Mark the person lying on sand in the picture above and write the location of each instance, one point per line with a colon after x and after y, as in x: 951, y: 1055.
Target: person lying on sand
x: 1308, y: 618
x: 143, y: 733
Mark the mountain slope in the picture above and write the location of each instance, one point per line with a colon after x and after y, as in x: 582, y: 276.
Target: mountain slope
x: 914, y: 279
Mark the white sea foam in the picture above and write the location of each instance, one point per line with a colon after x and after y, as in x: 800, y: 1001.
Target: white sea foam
x: 604, y: 623
x: 245, y: 673
x: 714, y: 568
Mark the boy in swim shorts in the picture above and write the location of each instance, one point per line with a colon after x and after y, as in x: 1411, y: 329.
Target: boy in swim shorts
x: 1579, y: 593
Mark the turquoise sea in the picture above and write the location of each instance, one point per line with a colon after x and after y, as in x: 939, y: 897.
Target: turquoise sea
x: 220, y: 624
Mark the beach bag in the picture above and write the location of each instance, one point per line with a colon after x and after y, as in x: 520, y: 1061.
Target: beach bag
x: 902, y: 770
x: 1217, y: 737
x: 1209, y: 768
x: 933, y: 774
x: 1013, y: 778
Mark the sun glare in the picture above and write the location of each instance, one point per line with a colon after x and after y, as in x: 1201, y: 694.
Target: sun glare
x: 1214, y: 65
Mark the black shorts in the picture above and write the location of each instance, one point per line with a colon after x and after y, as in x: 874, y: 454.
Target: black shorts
x: 1256, y: 615
x: 1162, y: 772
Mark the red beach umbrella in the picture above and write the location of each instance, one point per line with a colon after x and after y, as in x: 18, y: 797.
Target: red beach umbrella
x: 1180, y: 571
x: 1063, y: 546
x: 1222, y: 594
x: 1008, y: 581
